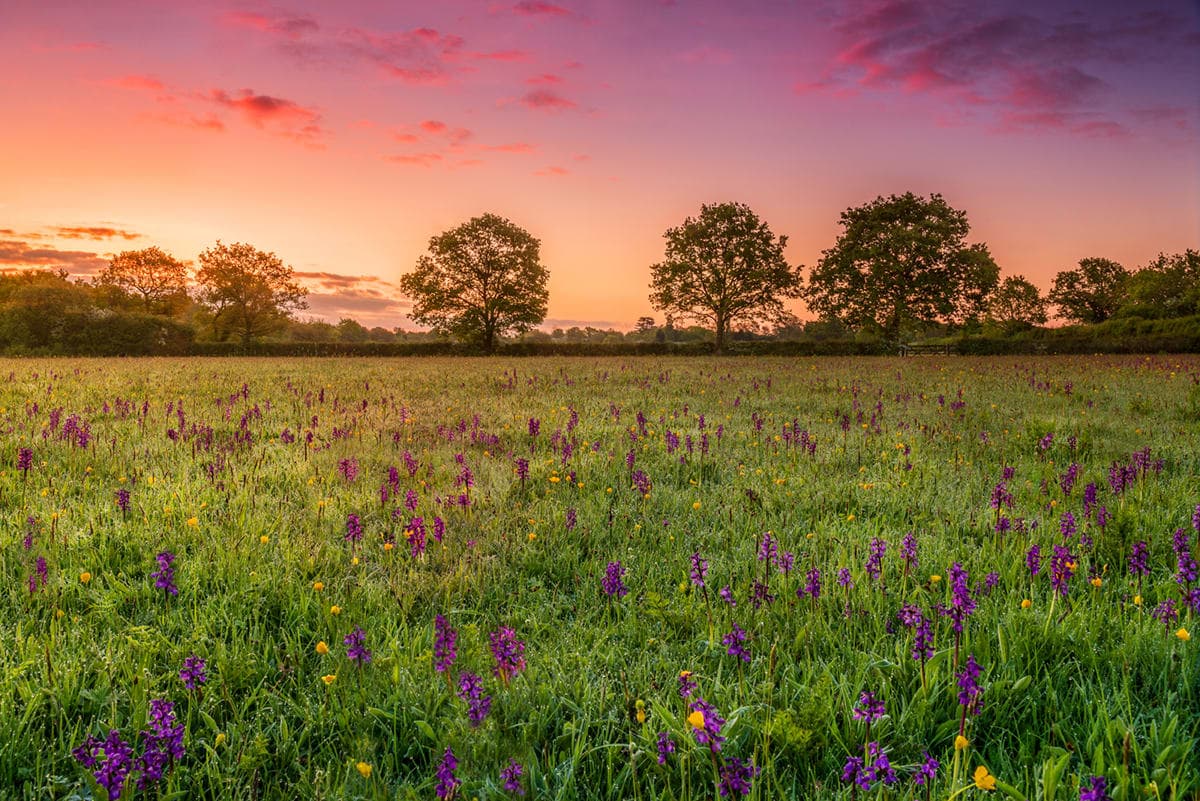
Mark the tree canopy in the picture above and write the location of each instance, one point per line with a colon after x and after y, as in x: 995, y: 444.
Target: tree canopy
x: 902, y: 260
x: 1169, y: 286
x: 1092, y: 292
x: 480, y: 281
x: 251, y: 293
x: 1015, y: 305
x: 722, y: 267
x: 151, y: 276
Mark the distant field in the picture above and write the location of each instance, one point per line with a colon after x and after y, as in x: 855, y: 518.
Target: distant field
x: 793, y: 532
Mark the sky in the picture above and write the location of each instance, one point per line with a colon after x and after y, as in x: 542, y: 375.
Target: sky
x: 342, y: 136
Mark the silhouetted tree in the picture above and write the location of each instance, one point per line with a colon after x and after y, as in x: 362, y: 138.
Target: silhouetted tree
x: 154, y: 278
x: 1169, y: 286
x: 902, y: 260
x: 250, y: 293
x: 480, y: 281
x: 722, y: 267
x: 1016, y: 304
x: 1090, y: 293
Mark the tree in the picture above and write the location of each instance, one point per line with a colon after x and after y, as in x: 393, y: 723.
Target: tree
x: 351, y: 331
x: 1169, y: 286
x: 645, y: 325
x: 251, y: 293
x: 152, y: 276
x: 1016, y: 304
x: 479, y: 281
x: 1091, y: 293
x: 902, y: 260
x: 722, y: 267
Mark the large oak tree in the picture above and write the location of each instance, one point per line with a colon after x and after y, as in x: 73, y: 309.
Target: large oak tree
x: 722, y: 267
x: 251, y: 293
x: 151, y: 276
x: 902, y: 260
x: 1092, y: 292
x: 480, y: 281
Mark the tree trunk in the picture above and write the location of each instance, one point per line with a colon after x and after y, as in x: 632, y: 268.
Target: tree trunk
x: 720, y: 334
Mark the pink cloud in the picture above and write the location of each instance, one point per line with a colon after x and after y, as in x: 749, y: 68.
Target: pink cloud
x: 545, y: 79
x: 289, y: 26
x: 544, y: 99
x: 513, y: 147
x: 433, y: 126
x: 536, y: 8
x: 1022, y: 71
x: 287, y: 117
x: 553, y: 172
x: 416, y: 159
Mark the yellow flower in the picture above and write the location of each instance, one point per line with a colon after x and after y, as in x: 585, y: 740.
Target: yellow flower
x: 318, y: 585
x: 387, y: 546
x: 335, y: 610
x: 1137, y: 600
x: 264, y: 539
x: 961, y: 742
x: 984, y: 780
x: 696, y: 505
x: 220, y: 741
x: 532, y: 536
x: 850, y: 518
x: 322, y: 648
x: 1025, y: 604
x: 329, y: 679
x: 354, y: 561
x: 1182, y: 634
x: 1096, y: 581
x: 193, y: 522
x: 935, y: 578
x: 640, y: 705
x: 364, y: 769
x: 85, y: 577
x: 696, y: 719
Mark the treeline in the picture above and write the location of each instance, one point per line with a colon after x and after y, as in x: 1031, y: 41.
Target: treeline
x: 902, y: 271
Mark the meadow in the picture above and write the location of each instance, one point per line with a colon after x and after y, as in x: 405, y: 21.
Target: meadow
x: 619, y: 578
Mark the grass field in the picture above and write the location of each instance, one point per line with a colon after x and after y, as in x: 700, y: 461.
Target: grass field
x: 793, y: 533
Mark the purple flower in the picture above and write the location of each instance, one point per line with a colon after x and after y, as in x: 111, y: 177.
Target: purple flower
x: 1001, y: 497
x: 641, y: 482
x: 1094, y: 789
x: 735, y: 777
x: 511, y: 776
x: 709, y: 733
x: 666, y: 746
x: 470, y: 689
x: 1066, y: 525
x: 686, y: 685
x: 969, y: 691
x: 356, y: 649
x: 812, y: 584
x: 611, y: 583
x: 162, y: 743
x: 24, y: 460
x: 734, y: 640
x: 869, y: 708
x: 348, y: 468
x: 1186, y: 570
x: 927, y: 771
x: 1139, y: 559
x: 123, y: 500
x: 446, y: 783
x: 111, y: 759
x: 42, y: 570
x: 164, y: 577
x: 875, y: 553
x: 699, y: 570
x: 908, y: 551
x: 844, y: 579
x: 1166, y: 613
x: 727, y: 595
x: 535, y: 426
x: 354, y: 529
x: 768, y: 549
x: 508, y: 652
x: 1062, y: 567
x: 193, y: 673
x: 522, y: 470
x: 1033, y: 559
x: 856, y: 772
x: 881, y: 766
x: 571, y: 519
x: 445, y: 640
x: 785, y: 562
x: 760, y: 593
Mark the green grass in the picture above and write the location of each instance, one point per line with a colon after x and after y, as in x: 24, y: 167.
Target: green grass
x: 1089, y: 686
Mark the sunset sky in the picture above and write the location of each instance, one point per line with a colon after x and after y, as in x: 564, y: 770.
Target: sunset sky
x: 342, y: 136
